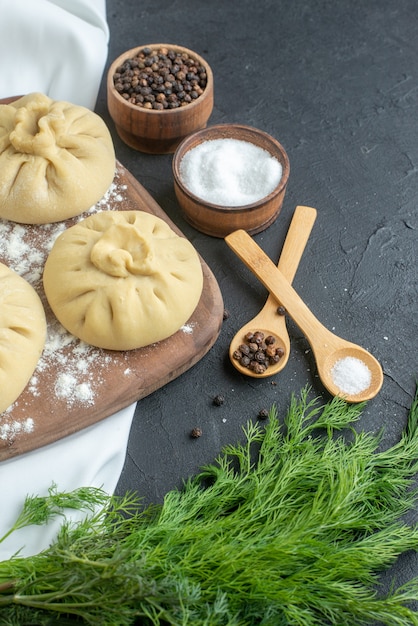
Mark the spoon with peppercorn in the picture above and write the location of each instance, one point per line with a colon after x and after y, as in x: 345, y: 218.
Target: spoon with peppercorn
x: 345, y: 369
x: 262, y: 346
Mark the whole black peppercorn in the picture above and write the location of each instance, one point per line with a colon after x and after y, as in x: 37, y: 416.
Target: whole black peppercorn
x: 258, y: 337
x: 260, y: 356
x: 258, y: 368
x: 218, y: 400
x: 257, y: 352
x: 263, y: 414
x: 271, y: 351
x: 176, y: 73
x: 195, y: 433
x: 281, y: 310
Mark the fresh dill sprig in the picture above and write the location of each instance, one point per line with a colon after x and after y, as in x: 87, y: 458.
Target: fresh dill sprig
x: 293, y: 526
x: 40, y: 510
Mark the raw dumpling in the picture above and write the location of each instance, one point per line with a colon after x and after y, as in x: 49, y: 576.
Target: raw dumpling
x: 22, y: 334
x: 122, y: 280
x: 56, y: 160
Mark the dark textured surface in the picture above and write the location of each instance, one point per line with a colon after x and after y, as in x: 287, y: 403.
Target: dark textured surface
x: 337, y: 84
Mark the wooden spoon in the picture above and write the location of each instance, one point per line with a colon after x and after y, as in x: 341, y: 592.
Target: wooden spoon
x: 329, y: 349
x: 268, y: 320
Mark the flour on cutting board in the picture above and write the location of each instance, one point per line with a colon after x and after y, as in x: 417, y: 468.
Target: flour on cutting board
x: 9, y: 430
x: 188, y: 328
x: 74, y: 370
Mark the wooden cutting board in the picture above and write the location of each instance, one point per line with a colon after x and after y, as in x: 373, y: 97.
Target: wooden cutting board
x: 76, y: 385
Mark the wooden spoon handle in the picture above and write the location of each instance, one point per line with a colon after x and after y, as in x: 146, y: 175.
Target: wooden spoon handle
x: 296, y: 239
x: 261, y: 265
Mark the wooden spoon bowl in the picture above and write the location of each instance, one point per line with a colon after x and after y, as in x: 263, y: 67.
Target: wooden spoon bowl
x: 328, y: 348
x: 268, y: 320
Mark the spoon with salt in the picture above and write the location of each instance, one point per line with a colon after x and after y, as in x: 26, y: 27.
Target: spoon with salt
x: 268, y: 320
x: 346, y: 369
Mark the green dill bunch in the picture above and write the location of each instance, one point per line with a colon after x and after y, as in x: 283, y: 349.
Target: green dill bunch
x: 293, y: 527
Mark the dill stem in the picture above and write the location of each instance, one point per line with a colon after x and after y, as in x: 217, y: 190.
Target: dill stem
x: 74, y: 608
x: 85, y: 561
x: 8, y: 533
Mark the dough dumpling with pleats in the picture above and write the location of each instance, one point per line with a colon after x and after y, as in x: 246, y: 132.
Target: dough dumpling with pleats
x: 57, y: 160
x: 122, y: 280
x: 22, y: 334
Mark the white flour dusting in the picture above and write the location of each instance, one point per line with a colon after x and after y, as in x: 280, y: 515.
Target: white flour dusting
x: 188, y: 328
x: 9, y: 430
x: 74, y: 370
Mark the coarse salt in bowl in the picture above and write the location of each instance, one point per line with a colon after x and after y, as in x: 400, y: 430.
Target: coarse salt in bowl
x: 230, y: 176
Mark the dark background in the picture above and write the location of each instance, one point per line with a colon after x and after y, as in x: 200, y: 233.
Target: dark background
x: 337, y: 84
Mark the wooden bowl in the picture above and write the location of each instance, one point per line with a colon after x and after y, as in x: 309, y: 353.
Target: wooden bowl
x: 218, y: 220
x: 158, y: 131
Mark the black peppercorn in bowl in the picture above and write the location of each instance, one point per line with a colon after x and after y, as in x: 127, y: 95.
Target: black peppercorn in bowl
x: 158, y: 94
x: 229, y: 177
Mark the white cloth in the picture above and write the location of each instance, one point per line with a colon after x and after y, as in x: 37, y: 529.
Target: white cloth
x: 59, y: 48
x: 93, y: 457
x: 56, y: 47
